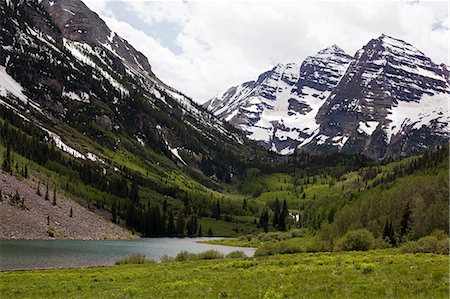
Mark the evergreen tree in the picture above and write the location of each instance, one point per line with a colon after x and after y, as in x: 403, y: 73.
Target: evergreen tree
x: 170, y: 224
x: 264, y: 220
x: 180, y: 223
x: 114, y: 212
x: 134, y: 192
x: 283, y: 217
x: 200, y: 230
x: 6, y: 165
x: 244, y: 205
x: 404, y: 223
x: 46, y: 193
x: 16, y: 198
x: 217, y: 211
x: 54, y: 197
x: 388, y: 233
x: 38, y: 190
x: 276, y: 213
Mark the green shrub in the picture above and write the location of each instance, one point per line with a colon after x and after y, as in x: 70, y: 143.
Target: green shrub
x: 138, y: 258
x: 439, y: 234
x: 236, y: 254
x: 296, y: 233
x: 211, y: 254
x: 317, y: 246
x: 381, y: 243
x: 278, y: 248
x: 166, y: 258
x: 185, y: 256
x: 435, y: 243
x: 360, y: 239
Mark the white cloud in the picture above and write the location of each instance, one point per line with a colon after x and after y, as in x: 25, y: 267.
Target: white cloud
x: 226, y: 43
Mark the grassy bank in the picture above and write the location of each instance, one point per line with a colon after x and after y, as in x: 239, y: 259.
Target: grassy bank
x: 373, y: 274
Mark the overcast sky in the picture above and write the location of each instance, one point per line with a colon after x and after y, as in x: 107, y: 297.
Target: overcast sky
x: 203, y: 48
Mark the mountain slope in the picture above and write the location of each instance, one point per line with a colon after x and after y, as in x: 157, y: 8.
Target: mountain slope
x: 390, y: 99
x: 85, y: 113
x: 63, y: 68
x: 279, y: 107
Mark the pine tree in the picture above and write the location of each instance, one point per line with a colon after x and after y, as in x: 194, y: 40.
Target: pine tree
x: 180, y: 223
x: 264, y: 220
x: 244, y: 205
x: 276, y: 213
x: 404, y: 223
x: 114, y: 212
x: 54, y: 197
x: 38, y: 190
x: 170, y: 224
x: 217, y: 211
x: 283, y: 217
x: 6, y: 165
x: 46, y: 193
x: 134, y: 192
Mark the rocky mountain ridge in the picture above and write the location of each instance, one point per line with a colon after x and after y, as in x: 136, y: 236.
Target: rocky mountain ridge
x: 64, y: 69
x: 388, y: 100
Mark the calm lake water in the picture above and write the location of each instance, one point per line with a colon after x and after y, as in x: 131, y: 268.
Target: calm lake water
x: 31, y: 254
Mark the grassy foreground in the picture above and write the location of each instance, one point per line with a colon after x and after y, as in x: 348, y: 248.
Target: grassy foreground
x: 373, y: 274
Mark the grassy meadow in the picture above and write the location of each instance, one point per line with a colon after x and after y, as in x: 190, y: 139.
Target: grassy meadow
x: 374, y: 274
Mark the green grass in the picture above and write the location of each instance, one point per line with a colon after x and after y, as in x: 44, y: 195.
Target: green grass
x: 373, y: 274
x: 227, y: 229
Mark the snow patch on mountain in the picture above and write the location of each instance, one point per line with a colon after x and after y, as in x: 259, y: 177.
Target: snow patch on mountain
x: 417, y: 114
x: 61, y: 145
x: 9, y: 86
x: 81, y: 52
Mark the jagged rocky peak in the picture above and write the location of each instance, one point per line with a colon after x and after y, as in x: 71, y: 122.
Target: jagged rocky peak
x: 78, y: 23
x: 387, y: 100
x: 389, y: 92
x: 280, y: 106
x: 333, y: 49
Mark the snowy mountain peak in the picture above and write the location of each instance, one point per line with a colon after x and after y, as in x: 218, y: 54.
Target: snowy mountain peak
x: 279, y: 108
x: 388, y: 99
x: 333, y: 49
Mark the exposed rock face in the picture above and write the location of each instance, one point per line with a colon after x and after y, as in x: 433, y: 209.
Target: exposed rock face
x: 78, y: 23
x: 29, y: 221
x: 389, y: 92
x: 390, y: 99
x: 279, y: 108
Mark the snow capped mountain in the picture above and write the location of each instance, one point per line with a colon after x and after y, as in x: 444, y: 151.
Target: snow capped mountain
x: 279, y: 108
x: 388, y: 93
x: 389, y: 99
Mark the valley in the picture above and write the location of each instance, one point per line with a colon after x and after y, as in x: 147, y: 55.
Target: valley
x: 333, y: 171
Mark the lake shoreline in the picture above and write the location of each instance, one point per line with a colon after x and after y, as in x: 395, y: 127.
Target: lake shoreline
x: 55, y: 254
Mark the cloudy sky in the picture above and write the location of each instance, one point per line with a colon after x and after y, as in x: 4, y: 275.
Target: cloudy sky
x: 204, y: 47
